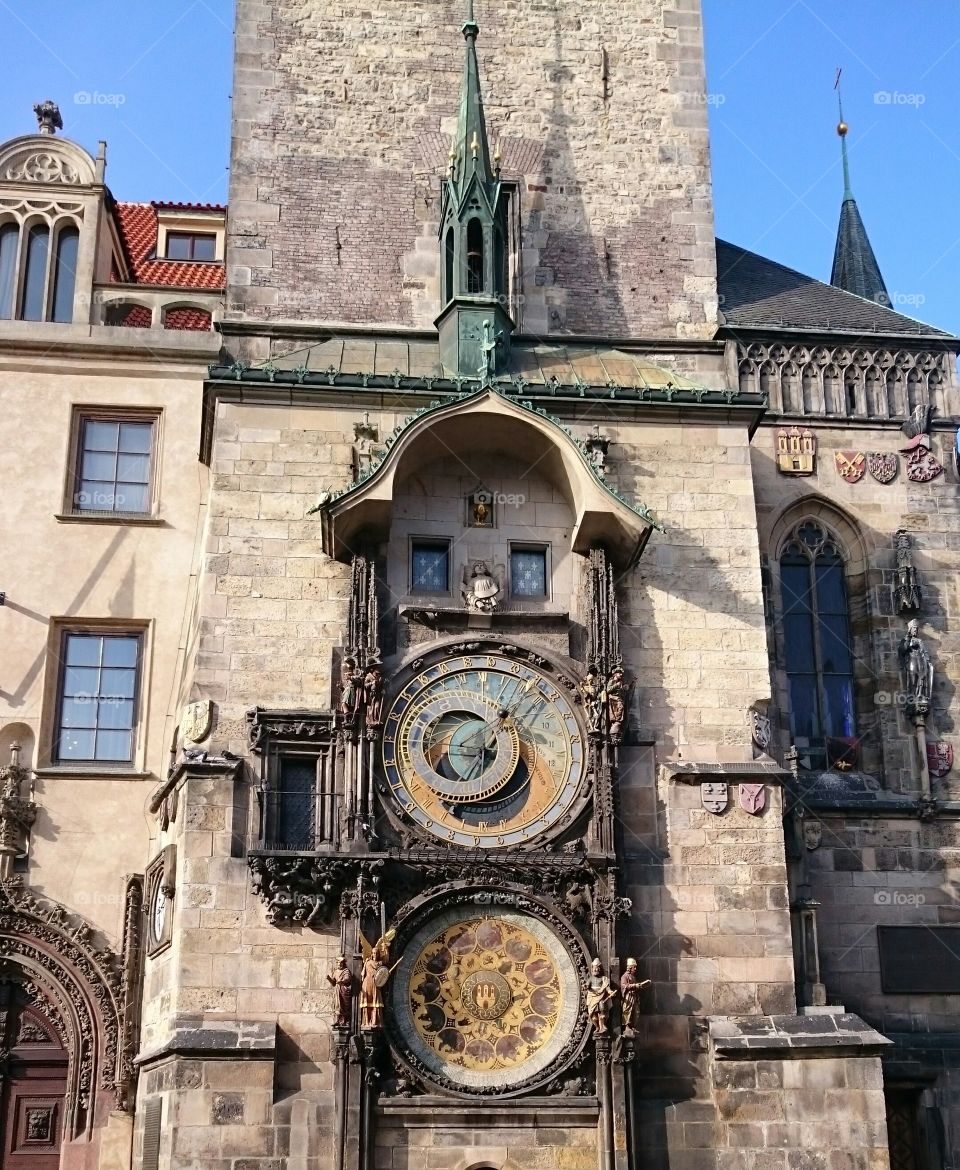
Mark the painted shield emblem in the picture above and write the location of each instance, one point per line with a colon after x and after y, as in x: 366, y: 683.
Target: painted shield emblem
x: 851, y: 465
x: 761, y: 730
x: 753, y: 797
x: 939, y: 758
x: 381, y: 975
x: 812, y: 834
x: 715, y: 796
x: 883, y: 466
x: 923, y: 465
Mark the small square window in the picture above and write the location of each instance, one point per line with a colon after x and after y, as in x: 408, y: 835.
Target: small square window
x: 191, y: 246
x: 528, y: 572
x: 97, y: 709
x: 430, y: 566
x: 113, y: 465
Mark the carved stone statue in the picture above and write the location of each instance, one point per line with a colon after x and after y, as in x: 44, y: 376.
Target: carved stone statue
x: 917, y: 668
x: 590, y: 690
x: 481, y: 589
x: 600, y: 997
x: 343, y: 981
x: 908, y: 587
x: 376, y: 972
x: 49, y: 120
x: 617, y: 693
x: 630, y: 988
x: 373, y: 695
x: 351, y: 690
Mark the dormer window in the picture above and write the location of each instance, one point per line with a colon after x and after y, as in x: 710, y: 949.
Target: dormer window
x: 191, y: 246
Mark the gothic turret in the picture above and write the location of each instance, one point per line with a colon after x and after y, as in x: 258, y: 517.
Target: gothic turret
x: 474, y: 324
x: 855, y: 267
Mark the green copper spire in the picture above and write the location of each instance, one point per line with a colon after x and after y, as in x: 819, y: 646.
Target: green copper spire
x: 474, y: 325
x: 855, y: 267
x: 472, y: 147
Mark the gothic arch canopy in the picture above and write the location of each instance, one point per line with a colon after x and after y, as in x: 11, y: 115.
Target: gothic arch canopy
x: 81, y: 989
x: 483, y: 421
x: 42, y: 158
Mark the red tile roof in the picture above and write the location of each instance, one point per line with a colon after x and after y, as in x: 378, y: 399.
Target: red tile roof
x: 138, y: 229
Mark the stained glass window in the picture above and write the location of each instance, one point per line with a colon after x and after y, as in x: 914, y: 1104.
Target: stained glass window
x: 430, y: 566
x: 816, y: 625
x: 528, y: 572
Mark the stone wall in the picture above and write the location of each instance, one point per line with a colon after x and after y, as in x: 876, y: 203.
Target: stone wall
x: 342, y: 124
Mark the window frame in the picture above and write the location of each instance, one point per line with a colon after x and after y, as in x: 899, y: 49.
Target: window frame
x: 67, y: 629
x: 192, y: 236
x: 528, y: 546
x: 869, y: 669
x: 437, y: 541
x: 83, y: 414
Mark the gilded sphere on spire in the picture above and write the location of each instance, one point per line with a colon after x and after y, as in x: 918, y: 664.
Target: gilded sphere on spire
x: 842, y: 129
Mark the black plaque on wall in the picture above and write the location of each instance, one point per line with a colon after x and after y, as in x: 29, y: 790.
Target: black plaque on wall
x: 918, y: 960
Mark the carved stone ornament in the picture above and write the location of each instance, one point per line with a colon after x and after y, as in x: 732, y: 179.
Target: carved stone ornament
x: 907, y: 588
x: 481, y: 590
x: 41, y: 167
x: 851, y: 465
x: 761, y: 729
x: 812, y: 833
x: 939, y: 758
x: 753, y: 798
x: 196, y: 722
x: 883, y: 465
x: 16, y: 813
x: 796, y: 451
x: 597, y: 446
x: 715, y: 796
x: 85, y: 992
x: 923, y: 466
x: 49, y: 120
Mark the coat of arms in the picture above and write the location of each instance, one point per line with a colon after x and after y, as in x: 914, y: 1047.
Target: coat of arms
x: 761, y: 729
x: 714, y: 796
x: 851, y: 465
x: 196, y: 721
x: 796, y: 451
x: 923, y: 465
x: 753, y: 798
x: 883, y: 466
x: 939, y: 758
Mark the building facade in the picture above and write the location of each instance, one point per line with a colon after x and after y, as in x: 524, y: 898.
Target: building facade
x: 527, y: 730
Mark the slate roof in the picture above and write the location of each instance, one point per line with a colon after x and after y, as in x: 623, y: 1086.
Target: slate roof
x: 138, y: 229
x: 757, y: 293
x: 855, y: 267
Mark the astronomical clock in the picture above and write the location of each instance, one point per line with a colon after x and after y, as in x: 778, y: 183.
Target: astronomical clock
x: 467, y: 855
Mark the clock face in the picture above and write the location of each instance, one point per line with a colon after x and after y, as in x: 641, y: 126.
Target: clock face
x: 480, y: 750
x: 485, y: 1000
x: 160, y: 907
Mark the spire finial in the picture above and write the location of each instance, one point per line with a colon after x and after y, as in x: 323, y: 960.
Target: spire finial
x: 843, y: 130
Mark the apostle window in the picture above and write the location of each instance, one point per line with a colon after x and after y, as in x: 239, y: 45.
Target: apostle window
x: 97, y: 704
x: 528, y: 571
x: 430, y: 566
x: 817, y: 645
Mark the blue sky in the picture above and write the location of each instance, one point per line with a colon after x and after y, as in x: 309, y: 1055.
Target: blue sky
x: 153, y: 78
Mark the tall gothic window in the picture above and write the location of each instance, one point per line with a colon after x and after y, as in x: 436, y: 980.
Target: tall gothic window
x: 9, y: 236
x: 450, y: 251
x: 819, y: 660
x: 65, y: 274
x: 474, y: 256
x: 35, y: 273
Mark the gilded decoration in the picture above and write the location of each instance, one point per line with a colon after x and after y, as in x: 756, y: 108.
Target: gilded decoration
x: 485, y: 994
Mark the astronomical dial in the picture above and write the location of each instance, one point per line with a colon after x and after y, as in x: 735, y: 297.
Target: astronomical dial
x: 481, y: 750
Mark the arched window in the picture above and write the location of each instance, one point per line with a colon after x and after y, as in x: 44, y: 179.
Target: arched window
x: 65, y: 274
x: 35, y: 274
x: 9, y: 235
x: 475, y: 256
x: 450, y: 251
x: 817, y: 647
